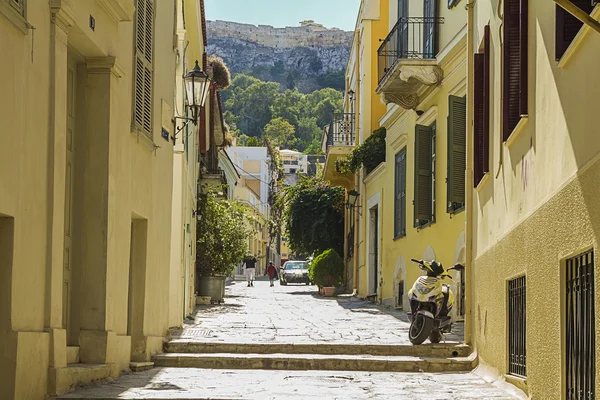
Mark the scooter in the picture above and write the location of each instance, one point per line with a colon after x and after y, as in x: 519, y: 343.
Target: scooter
x: 431, y: 301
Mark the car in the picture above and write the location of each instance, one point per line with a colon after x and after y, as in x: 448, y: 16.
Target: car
x: 294, y: 272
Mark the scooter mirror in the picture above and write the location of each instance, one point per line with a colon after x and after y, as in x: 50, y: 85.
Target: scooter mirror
x: 457, y: 267
x: 417, y: 261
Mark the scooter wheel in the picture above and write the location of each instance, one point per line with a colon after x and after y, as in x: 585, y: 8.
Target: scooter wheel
x: 420, y: 328
x: 435, y: 336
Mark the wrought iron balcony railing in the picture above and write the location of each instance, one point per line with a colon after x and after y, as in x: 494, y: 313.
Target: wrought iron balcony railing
x: 411, y: 38
x: 341, y: 130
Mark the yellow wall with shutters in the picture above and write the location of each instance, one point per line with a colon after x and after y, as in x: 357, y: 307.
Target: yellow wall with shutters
x: 443, y: 239
x: 539, y: 205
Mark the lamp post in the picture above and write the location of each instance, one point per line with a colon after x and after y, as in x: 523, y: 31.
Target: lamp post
x: 352, y: 196
x: 197, y: 85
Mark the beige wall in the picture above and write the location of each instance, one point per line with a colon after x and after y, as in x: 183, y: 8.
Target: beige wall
x: 538, y: 206
x: 118, y: 176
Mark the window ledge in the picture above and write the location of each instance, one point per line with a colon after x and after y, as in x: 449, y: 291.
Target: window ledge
x: 482, y: 182
x: 576, y: 43
x: 517, y: 381
x: 427, y: 225
x: 517, y: 131
x: 399, y: 237
x: 13, y: 16
x: 144, y: 139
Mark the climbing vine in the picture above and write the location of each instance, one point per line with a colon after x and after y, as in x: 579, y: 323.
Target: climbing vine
x: 368, y: 154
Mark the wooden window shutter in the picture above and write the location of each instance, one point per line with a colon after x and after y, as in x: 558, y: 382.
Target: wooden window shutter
x: 567, y: 26
x: 457, y: 139
x: 478, y: 119
x: 400, y: 194
x: 423, y: 195
x: 143, y: 74
x: 515, y: 92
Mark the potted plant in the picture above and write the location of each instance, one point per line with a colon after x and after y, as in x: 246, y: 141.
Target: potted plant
x: 327, y: 271
x: 222, y: 236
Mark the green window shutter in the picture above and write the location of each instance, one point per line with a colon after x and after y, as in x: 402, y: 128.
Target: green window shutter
x: 400, y: 195
x: 457, y: 135
x: 423, y: 193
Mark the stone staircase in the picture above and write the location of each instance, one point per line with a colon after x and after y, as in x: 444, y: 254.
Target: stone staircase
x: 322, y: 356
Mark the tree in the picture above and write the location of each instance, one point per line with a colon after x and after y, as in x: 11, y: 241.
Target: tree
x: 252, y: 142
x: 327, y: 269
x: 280, y: 133
x: 287, y: 105
x: 306, y: 132
x: 222, y: 235
x: 325, y: 204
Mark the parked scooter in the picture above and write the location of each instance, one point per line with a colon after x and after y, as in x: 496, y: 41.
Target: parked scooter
x: 431, y: 301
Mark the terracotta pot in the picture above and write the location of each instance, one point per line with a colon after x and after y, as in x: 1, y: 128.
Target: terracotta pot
x: 329, y: 291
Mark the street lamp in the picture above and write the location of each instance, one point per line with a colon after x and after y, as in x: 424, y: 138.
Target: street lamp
x: 197, y: 84
x: 352, y: 196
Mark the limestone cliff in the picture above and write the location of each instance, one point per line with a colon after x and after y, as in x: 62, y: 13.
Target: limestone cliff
x: 307, y: 57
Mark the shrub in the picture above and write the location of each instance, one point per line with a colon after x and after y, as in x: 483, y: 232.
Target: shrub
x: 219, y: 72
x: 369, y: 154
x: 327, y: 269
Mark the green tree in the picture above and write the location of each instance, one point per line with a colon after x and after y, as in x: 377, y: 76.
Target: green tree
x: 252, y: 142
x: 306, y: 132
x: 281, y: 133
x: 252, y: 106
x: 222, y: 235
x: 287, y: 106
x: 327, y: 269
x: 325, y: 204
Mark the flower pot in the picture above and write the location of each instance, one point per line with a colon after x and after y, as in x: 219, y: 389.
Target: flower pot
x: 328, y: 291
x: 213, y: 287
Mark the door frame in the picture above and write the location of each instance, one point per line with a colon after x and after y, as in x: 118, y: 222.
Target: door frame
x: 374, y: 204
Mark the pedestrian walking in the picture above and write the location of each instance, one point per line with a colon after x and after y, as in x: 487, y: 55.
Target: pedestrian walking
x: 250, y: 268
x: 272, y: 272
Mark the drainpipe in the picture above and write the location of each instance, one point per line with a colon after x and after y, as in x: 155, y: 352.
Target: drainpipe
x: 356, y: 116
x: 469, y: 175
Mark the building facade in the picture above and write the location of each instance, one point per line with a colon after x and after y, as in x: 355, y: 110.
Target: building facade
x: 85, y: 223
x: 414, y: 202
x: 533, y: 195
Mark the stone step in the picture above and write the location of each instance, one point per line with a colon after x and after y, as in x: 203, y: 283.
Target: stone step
x: 61, y: 380
x: 427, y: 350
x: 316, y: 362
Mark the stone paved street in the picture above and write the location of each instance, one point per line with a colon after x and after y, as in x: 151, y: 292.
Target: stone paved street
x: 293, y: 315
x: 297, y: 314
x: 200, y: 384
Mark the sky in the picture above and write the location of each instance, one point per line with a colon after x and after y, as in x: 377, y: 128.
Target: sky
x: 280, y: 13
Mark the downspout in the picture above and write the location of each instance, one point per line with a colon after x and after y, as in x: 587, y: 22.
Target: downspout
x: 469, y: 175
x: 355, y: 256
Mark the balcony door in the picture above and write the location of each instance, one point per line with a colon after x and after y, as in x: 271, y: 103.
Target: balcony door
x: 402, y: 31
x: 429, y: 28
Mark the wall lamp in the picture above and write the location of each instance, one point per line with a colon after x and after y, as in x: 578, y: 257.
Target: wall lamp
x: 351, y: 94
x: 197, y: 84
x: 352, y: 196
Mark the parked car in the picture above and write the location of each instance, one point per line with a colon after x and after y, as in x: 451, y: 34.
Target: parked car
x: 294, y: 272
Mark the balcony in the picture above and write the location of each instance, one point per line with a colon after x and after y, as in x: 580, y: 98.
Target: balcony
x: 339, y: 138
x: 407, y: 62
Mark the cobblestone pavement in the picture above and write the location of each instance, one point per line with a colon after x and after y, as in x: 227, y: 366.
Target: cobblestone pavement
x: 297, y: 314
x: 199, y: 384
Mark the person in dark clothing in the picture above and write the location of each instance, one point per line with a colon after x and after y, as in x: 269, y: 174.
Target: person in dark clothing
x: 250, y: 268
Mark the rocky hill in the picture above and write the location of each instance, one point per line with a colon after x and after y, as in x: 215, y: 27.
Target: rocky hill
x: 308, y: 57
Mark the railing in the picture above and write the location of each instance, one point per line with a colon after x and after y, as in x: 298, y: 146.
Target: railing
x: 410, y: 38
x: 341, y: 130
x: 517, y: 328
x: 580, y: 328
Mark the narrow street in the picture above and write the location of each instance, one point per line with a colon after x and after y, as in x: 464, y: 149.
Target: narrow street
x: 287, y: 342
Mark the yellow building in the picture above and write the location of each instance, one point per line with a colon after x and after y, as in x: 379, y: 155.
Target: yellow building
x: 85, y: 189
x: 360, y: 117
x: 533, y: 223
x: 413, y: 203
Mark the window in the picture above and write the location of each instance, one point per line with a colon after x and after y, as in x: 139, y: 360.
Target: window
x: 567, y: 26
x: 457, y: 137
x: 580, y: 344
x: 515, y: 64
x: 424, y: 202
x: 143, y: 76
x: 400, y: 195
x: 517, y: 326
x: 429, y: 28
x: 481, y: 118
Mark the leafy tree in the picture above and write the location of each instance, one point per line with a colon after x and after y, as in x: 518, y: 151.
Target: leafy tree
x: 252, y: 142
x: 306, y: 132
x: 222, y: 235
x: 314, y: 147
x: 252, y: 104
x: 325, y: 204
x: 334, y: 80
x: 281, y: 133
x: 287, y: 106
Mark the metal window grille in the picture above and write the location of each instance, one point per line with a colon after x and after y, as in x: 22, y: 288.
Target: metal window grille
x: 580, y: 328
x: 517, y: 326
